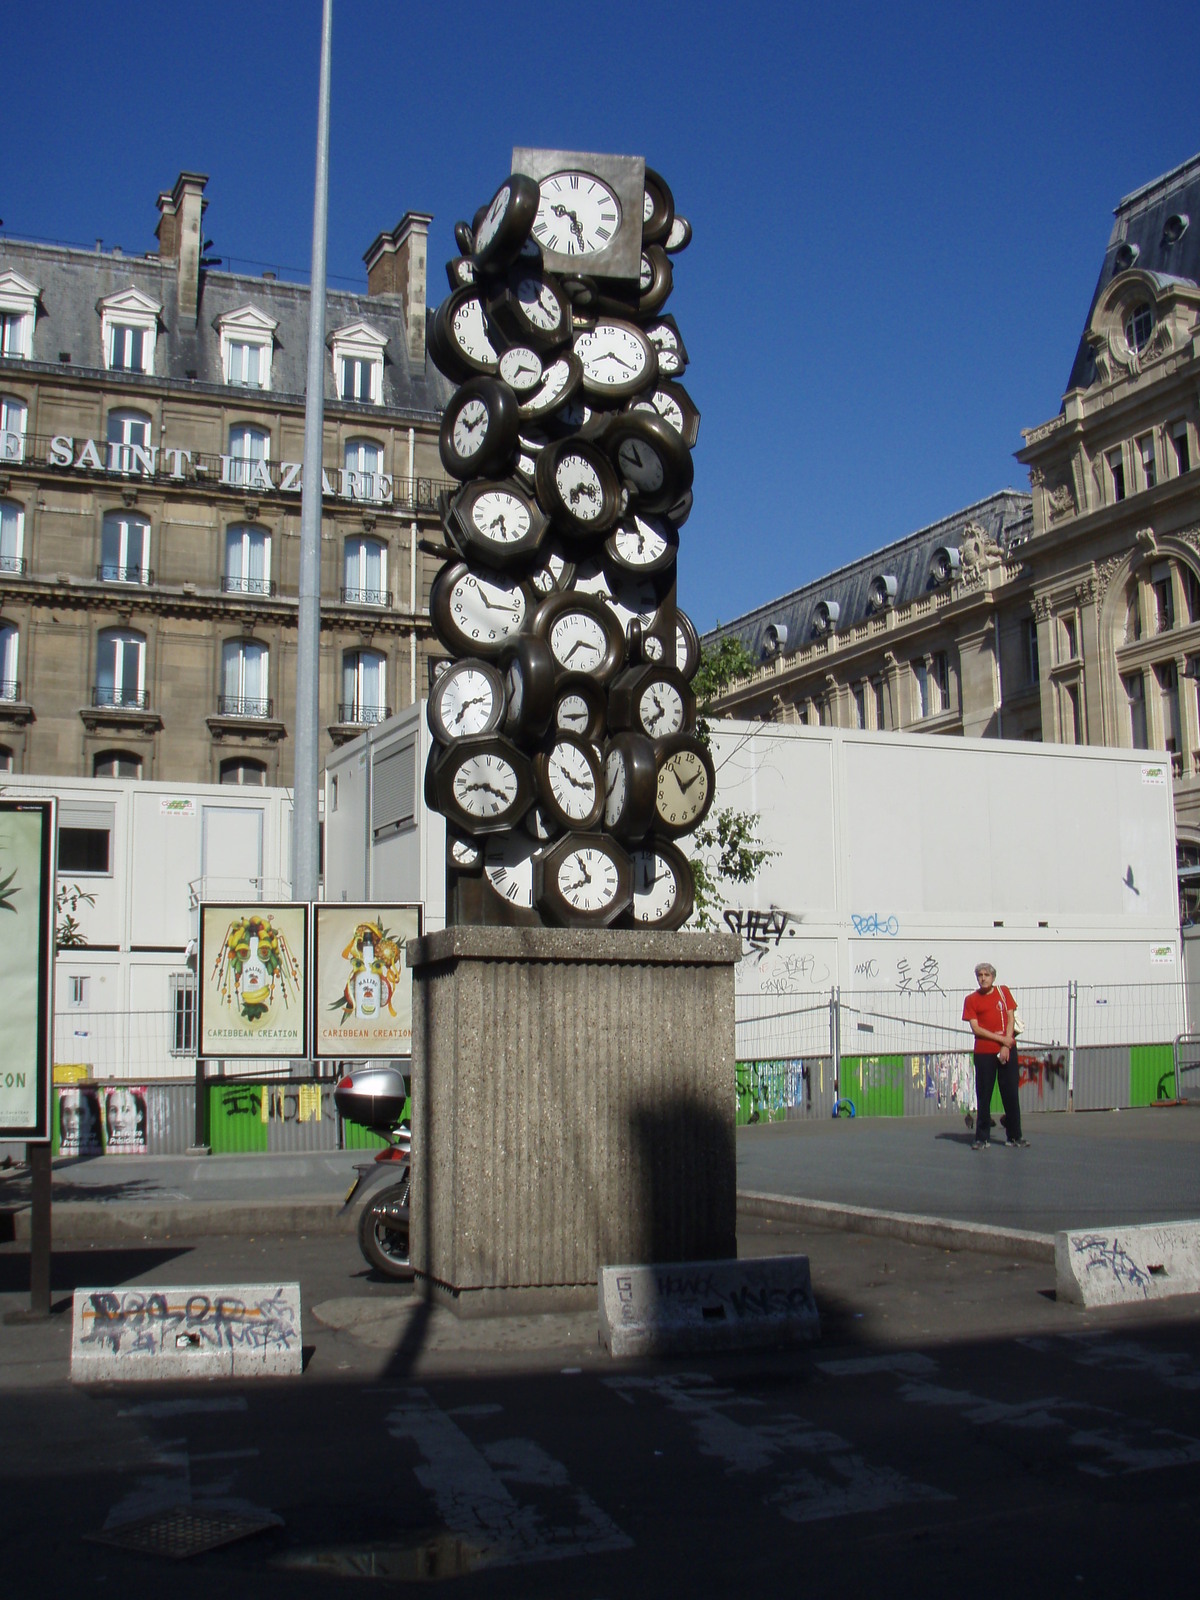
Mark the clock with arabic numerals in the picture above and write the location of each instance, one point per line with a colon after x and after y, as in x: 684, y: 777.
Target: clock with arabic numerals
x: 476, y: 613
x: 687, y: 784
x: 461, y: 345
x: 628, y: 595
x: 583, y: 634
x: 651, y: 699
x: 562, y: 375
x: 467, y: 700
x: 581, y: 707
x: 666, y: 338
x: 530, y: 672
x: 528, y: 307
x: 496, y: 522
x: 483, y: 784
x: 630, y: 785
x: 585, y: 880
x: 618, y: 358
x: 478, y: 436
x: 578, y: 487
x: 461, y: 272
x: 663, y: 887
x: 555, y: 569
x: 570, y: 783
x: 674, y: 405
x: 650, y: 457
x: 642, y: 544
x: 505, y: 224
x: 521, y: 368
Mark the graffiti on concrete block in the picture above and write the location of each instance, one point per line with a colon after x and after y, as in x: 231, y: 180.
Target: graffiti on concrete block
x: 154, y: 1322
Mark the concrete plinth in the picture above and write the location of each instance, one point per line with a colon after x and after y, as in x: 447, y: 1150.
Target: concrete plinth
x: 573, y: 1100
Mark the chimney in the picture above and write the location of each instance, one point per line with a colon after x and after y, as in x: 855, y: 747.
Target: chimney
x: 179, y: 237
x: 396, y: 266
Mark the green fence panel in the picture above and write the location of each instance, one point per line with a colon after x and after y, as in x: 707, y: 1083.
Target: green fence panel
x: 875, y: 1084
x: 235, y: 1120
x: 1151, y: 1073
x: 356, y: 1137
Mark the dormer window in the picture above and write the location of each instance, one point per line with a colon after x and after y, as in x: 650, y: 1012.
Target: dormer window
x: 1139, y: 325
x: 358, y: 363
x: 945, y: 566
x: 129, y: 328
x: 825, y: 618
x: 18, y: 309
x: 883, y: 592
x: 247, y: 345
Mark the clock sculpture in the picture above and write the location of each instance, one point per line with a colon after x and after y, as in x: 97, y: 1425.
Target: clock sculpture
x: 566, y: 761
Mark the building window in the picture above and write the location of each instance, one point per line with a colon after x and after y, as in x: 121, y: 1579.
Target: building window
x: 14, y: 334
x: 364, y: 478
x: 18, y: 308
x: 1145, y: 450
x: 247, y: 561
x: 1178, y: 435
x: 124, y: 549
x: 244, y: 679
x: 78, y: 991
x: 116, y: 764
x: 357, y: 376
x: 939, y: 673
x: 244, y: 772
x: 127, y: 348
x: 1139, y: 325
x: 1133, y: 612
x: 1068, y: 638
x: 120, y: 669
x: 364, y: 688
x: 1116, y: 469
x: 358, y: 363
x: 249, y: 452
x: 245, y: 365
x: 183, y: 1014
x: 6, y: 759
x: 1029, y: 652
x: 12, y: 537
x: 1135, y: 693
x: 1168, y: 691
x: 1072, y: 715
x: 1163, y: 589
x: 247, y: 345
x: 365, y: 572
x: 10, y: 688
x: 13, y: 417
x: 84, y: 850
x: 877, y: 702
x: 1191, y: 592
x: 921, y: 686
x: 128, y: 434
x: 860, y: 705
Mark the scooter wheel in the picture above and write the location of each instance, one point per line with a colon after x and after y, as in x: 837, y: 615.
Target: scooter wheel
x: 383, y: 1232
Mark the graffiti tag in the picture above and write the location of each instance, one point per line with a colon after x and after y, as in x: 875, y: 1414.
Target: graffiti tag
x: 873, y: 926
x: 759, y: 928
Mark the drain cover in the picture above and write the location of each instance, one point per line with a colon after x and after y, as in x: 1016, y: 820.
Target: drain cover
x: 185, y: 1530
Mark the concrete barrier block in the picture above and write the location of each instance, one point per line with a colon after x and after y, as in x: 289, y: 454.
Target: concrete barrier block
x: 235, y: 1330
x: 697, y: 1306
x: 1116, y: 1266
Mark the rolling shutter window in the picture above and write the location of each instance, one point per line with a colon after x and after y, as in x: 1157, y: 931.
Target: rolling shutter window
x: 395, y: 790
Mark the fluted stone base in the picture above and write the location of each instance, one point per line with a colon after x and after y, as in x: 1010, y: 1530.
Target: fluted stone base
x: 573, y: 1100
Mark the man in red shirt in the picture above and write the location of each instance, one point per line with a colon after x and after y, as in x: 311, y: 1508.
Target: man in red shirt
x: 990, y: 1013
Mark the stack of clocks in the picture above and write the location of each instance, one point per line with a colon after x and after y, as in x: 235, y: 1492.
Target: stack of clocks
x: 566, y: 761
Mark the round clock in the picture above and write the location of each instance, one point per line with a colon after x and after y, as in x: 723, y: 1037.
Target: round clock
x: 687, y: 783
x: 584, y: 880
x: 463, y: 854
x: 561, y: 378
x: 461, y: 272
x: 628, y: 595
x: 473, y: 613
x: 674, y: 405
x: 464, y: 238
x: 505, y: 225
x: 581, y: 708
x: 582, y: 633
x: 654, y: 700
x: 642, y: 544
x: 483, y: 784
x: 663, y: 887
x: 651, y: 458
x: 555, y: 570
x: 664, y: 335
x: 570, y: 783
x: 618, y: 358
x: 578, y: 214
x: 679, y: 237
x: 630, y: 785
x: 496, y: 523
x: 508, y: 872
x: 578, y: 487
x: 478, y: 436
x: 529, y: 308
x: 658, y: 209
x: 467, y: 699
x: 687, y: 646
x: 655, y: 280
x: 521, y: 368
x: 529, y: 680
x: 575, y: 419
x: 463, y: 346
x: 540, y: 825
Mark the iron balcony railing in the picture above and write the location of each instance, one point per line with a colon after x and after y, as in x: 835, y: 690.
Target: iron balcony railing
x: 235, y: 705
x: 360, y: 716
x: 106, y: 572
x: 10, y: 690
x: 366, y: 597
x: 121, y: 699
x: 14, y: 564
x: 266, y: 586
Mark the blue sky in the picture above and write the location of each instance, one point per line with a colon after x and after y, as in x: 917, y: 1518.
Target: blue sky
x: 899, y: 212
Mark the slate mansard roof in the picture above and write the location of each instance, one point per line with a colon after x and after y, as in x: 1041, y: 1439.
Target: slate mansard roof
x: 1146, y: 234
x: 72, y: 282
x: 915, y: 562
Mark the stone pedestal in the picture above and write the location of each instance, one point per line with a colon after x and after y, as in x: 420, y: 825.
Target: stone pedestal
x: 573, y: 1107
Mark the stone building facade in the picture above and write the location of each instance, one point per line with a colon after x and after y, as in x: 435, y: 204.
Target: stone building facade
x: 151, y: 440
x: 1071, y: 613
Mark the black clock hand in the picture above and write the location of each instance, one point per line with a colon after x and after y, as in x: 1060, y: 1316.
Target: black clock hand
x: 488, y: 788
x: 576, y: 227
x: 652, y: 722
x: 498, y: 522
x: 579, y: 644
x: 512, y: 610
x: 588, y: 787
x: 478, y: 700
x: 695, y: 777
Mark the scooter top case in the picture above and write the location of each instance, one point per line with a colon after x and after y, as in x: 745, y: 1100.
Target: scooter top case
x: 372, y: 1096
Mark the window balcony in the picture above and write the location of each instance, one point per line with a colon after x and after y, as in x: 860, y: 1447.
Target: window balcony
x: 266, y: 586
x: 107, y: 573
x: 367, y: 597
x: 232, y: 705
x: 360, y: 716
x: 17, y: 565
x: 121, y: 699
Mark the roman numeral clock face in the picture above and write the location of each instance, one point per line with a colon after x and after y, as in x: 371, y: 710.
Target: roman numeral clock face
x: 578, y: 215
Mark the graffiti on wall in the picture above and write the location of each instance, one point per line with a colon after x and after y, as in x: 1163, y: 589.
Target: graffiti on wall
x: 768, y: 1090
x: 127, y: 1322
x: 279, y: 1102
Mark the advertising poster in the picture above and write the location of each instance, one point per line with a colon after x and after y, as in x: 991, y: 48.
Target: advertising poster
x: 362, y: 1004
x: 253, y: 980
x: 79, y: 1121
x: 125, y: 1120
x: 26, y: 966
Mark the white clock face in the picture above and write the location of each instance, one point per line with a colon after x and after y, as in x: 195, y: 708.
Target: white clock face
x: 588, y: 879
x: 682, y: 789
x: 464, y: 852
x: 641, y: 541
x: 500, y: 516
x: 614, y: 787
x: 485, y: 785
x: 470, y: 427
x: 667, y: 407
x: 666, y: 341
x: 613, y: 356
x: 555, y: 378
x: 652, y: 648
x: 495, y: 215
x: 540, y: 304
x: 572, y: 714
x: 485, y: 610
x: 627, y: 596
x: 572, y: 781
x: 578, y: 641
x: 470, y: 331
x: 660, y: 708
x: 508, y: 867
x: 655, y: 889
x: 577, y: 215
x: 641, y: 465
x: 645, y: 274
x: 579, y: 486
x: 521, y: 369
x: 647, y: 207
x: 467, y: 703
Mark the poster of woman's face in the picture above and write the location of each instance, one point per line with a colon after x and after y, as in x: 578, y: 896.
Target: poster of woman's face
x: 79, y: 1122
x: 125, y: 1121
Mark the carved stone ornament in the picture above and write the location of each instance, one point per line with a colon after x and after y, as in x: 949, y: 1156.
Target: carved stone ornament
x: 1105, y: 573
x: 1113, y: 357
x: 1060, y: 500
x: 1146, y: 541
x: 1036, y: 435
x: 1041, y: 607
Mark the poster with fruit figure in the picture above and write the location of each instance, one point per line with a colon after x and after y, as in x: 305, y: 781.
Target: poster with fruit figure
x: 362, y: 1006
x: 253, y: 980
x: 27, y: 857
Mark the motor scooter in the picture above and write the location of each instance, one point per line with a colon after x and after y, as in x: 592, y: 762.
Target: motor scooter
x: 374, y: 1097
